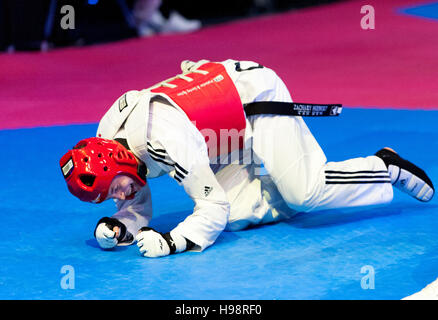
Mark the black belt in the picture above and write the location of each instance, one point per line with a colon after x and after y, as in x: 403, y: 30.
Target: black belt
x: 292, y: 109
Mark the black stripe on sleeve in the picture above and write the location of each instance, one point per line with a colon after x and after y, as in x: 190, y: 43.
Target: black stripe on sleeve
x: 181, y: 168
x: 152, y: 152
x: 160, y: 155
x: 156, y: 150
x: 160, y: 160
x: 179, y: 174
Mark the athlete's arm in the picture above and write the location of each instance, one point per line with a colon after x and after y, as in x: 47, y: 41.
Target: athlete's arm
x: 180, y: 149
x: 202, y: 227
x: 122, y: 227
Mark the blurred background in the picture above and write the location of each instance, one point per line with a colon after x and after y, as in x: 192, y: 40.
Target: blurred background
x: 64, y: 63
x: 34, y: 25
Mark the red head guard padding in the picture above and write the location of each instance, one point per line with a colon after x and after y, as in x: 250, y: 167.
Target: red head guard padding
x: 92, y: 164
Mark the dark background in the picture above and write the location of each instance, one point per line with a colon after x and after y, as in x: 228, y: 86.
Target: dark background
x: 23, y: 23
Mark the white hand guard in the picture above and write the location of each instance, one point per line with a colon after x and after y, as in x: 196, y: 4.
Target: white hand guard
x: 105, y: 236
x: 154, y: 244
x: 151, y: 243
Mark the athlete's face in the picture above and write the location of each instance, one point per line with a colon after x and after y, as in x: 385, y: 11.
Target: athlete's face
x: 123, y: 188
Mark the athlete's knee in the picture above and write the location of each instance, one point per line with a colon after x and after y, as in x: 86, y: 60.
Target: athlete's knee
x: 304, y: 199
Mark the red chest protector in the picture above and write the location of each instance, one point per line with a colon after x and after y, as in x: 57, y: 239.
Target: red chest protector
x: 212, y: 103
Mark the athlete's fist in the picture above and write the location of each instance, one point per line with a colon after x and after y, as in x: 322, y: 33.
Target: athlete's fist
x: 152, y: 244
x: 108, y: 232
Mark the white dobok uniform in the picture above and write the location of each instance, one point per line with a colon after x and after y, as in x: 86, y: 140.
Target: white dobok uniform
x: 234, y: 195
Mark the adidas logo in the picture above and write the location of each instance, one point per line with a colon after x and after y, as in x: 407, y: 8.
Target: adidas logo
x: 207, y: 190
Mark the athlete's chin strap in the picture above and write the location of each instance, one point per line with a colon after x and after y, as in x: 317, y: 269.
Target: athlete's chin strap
x: 292, y: 109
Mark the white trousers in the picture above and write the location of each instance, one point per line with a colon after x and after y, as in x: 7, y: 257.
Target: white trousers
x: 299, y: 177
x: 298, y: 168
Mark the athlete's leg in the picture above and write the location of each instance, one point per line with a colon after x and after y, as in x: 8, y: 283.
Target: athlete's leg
x: 294, y: 159
x: 298, y: 167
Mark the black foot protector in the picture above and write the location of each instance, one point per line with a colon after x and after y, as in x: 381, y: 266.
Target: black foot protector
x: 406, y: 176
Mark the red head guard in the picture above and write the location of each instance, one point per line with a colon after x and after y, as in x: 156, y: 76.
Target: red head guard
x: 93, y: 163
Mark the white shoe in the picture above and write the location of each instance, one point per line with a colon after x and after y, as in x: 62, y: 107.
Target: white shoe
x: 152, y: 25
x: 177, y: 23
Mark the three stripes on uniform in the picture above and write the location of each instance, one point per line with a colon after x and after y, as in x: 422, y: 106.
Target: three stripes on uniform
x: 159, y: 155
x: 356, y: 177
x: 180, y: 172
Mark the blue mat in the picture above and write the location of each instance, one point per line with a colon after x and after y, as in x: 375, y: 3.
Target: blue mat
x: 429, y: 11
x: 312, y: 256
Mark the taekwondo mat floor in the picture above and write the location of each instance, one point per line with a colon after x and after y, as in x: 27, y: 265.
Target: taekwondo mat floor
x: 386, y: 78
